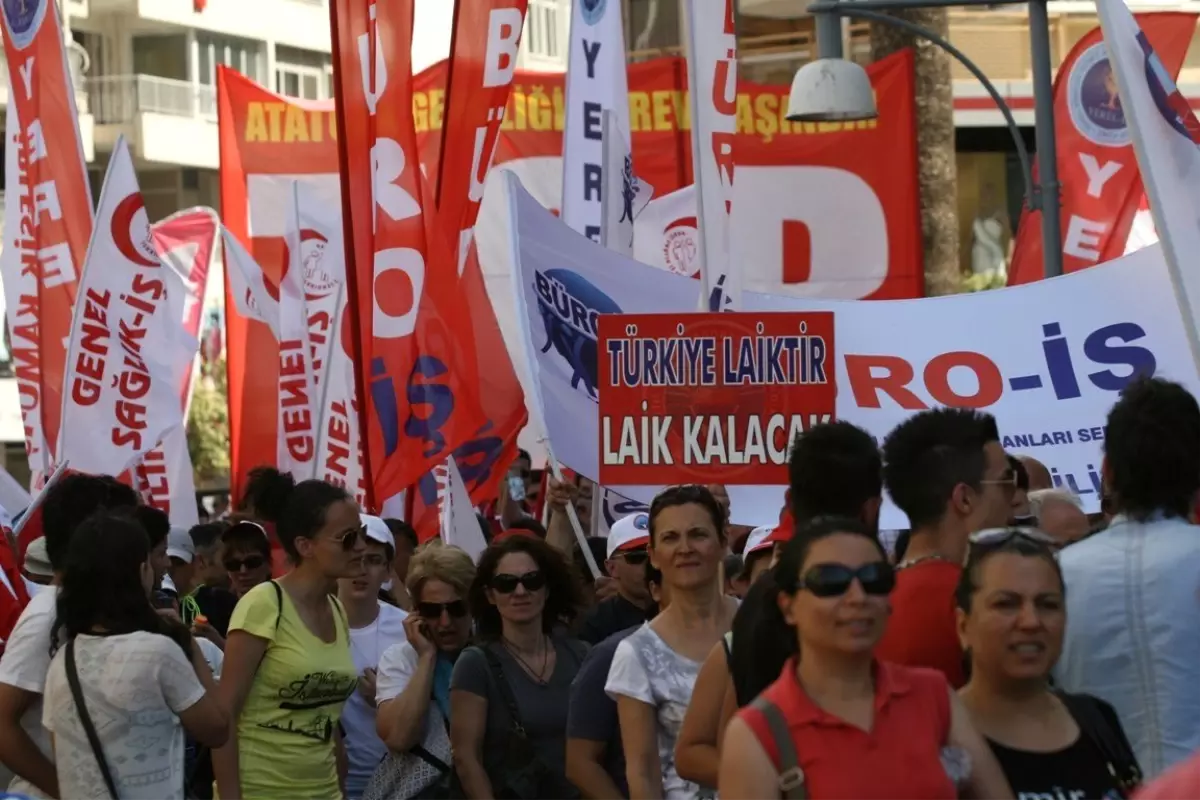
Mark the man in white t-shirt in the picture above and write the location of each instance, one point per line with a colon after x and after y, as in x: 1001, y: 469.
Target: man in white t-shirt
x: 374, y: 627
x: 24, y: 743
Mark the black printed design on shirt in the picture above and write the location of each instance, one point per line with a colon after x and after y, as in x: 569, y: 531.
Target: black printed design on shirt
x: 320, y: 728
x: 317, y: 689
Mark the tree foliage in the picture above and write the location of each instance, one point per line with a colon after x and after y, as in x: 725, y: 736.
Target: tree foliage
x: 208, y: 427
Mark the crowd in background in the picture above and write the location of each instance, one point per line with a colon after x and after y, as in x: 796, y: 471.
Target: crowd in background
x: 1005, y: 645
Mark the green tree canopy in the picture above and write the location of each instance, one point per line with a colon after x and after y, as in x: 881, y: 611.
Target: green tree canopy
x: 208, y: 428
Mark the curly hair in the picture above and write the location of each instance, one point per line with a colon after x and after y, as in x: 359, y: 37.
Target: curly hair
x: 834, y: 468
x: 436, y: 561
x: 1150, y: 444
x: 267, y: 492
x: 930, y: 453
x: 564, y: 597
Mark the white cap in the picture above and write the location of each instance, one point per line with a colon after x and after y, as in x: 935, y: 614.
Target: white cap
x: 628, y: 533
x: 757, y: 540
x: 377, y: 531
x: 36, y: 560
x: 180, y: 545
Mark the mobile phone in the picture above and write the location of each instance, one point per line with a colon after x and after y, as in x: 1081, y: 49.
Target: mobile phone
x: 516, y: 487
x: 162, y: 600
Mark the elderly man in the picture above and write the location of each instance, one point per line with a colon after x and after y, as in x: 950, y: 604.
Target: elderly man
x: 1059, y: 513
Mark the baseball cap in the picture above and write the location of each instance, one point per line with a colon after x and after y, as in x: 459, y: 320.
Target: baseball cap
x: 180, y: 545
x: 758, y: 540
x: 629, y: 533
x: 36, y: 560
x: 783, y: 532
x: 377, y: 530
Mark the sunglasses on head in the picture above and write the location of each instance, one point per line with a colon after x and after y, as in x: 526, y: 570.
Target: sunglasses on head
x: 999, y: 536
x: 249, y: 562
x: 455, y: 608
x: 834, y: 580
x: 507, y: 584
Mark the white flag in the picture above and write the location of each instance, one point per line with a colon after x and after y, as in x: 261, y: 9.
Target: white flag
x: 296, y: 441
x: 665, y: 234
x: 596, y: 82
x: 459, y: 525
x: 624, y: 195
x: 1166, y: 138
x: 252, y: 295
x: 712, y: 72
x: 128, y: 352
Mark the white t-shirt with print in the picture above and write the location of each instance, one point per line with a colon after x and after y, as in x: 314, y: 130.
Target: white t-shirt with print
x: 135, y: 686
x: 364, y: 748
x: 24, y: 665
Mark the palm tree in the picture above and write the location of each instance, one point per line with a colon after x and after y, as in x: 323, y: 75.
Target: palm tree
x: 935, y: 143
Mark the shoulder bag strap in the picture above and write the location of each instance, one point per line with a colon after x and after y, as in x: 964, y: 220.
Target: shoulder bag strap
x: 506, y: 691
x: 279, y: 601
x: 1120, y: 760
x: 86, y: 719
x: 791, y: 777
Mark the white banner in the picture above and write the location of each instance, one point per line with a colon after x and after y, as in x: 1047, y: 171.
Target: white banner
x: 596, y: 82
x: 712, y: 62
x: 1166, y: 138
x: 1049, y: 380
x: 296, y: 442
x: 128, y: 354
x: 625, y: 195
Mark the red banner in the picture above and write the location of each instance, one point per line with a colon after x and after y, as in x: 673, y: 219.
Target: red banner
x: 55, y: 220
x: 710, y: 398
x: 1097, y: 168
x: 265, y: 136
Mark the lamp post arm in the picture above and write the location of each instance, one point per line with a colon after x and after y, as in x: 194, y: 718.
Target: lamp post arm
x: 853, y: 9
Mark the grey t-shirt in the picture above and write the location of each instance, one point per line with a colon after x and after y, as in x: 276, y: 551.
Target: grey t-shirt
x: 543, y: 709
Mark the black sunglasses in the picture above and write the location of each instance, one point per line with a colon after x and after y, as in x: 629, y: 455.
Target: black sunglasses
x: 507, y: 584
x: 249, y: 562
x: 634, y: 557
x: 455, y: 608
x: 834, y: 580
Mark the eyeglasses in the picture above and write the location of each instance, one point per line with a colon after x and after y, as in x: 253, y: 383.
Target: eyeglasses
x: 834, y: 580
x: 1009, y: 481
x: 633, y: 557
x: 997, y: 536
x: 350, y: 538
x: 455, y: 608
x: 249, y: 562
x: 507, y: 584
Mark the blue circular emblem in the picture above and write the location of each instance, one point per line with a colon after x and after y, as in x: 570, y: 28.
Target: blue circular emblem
x: 1093, y: 102
x: 592, y: 10
x: 642, y: 522
x: 23, y: 19
x: 1170, y: 102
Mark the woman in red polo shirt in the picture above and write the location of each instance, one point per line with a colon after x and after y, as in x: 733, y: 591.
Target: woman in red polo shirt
x: 838, y: 723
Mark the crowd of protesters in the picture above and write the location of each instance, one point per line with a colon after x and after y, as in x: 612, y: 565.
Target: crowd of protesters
x: 1005, y: 645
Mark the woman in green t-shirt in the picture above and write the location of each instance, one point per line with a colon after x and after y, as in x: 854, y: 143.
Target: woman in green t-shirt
x: 288, y: 668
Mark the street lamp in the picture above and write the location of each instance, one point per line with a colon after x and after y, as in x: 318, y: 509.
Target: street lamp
x: 832, y: 89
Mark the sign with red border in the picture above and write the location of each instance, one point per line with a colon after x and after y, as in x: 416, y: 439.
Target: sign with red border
x: 710, y: 398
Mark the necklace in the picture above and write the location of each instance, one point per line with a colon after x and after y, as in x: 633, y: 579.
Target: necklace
x: 912, y: 562
x: 538, y: 675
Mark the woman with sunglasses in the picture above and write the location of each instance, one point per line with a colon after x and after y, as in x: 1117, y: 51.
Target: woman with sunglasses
x: 288, y: 669
x: 509, y: 694
x: 246, y: 556
x: 837, y: 722
x: 654, y: 670
x: 1011, y: 618
x: 413, y: 683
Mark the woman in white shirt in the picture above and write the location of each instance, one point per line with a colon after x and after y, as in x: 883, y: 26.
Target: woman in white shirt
x: 374, y: 627
x: 140, y: 676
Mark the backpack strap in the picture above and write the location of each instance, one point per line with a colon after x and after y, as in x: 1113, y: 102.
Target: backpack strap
x: 791, y: 776
x: 86, y: 719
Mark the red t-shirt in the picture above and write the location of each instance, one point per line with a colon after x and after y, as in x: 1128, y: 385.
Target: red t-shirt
x: 899, y: 758
x: 922, y: 631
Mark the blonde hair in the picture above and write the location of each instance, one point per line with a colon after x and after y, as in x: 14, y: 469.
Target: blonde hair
x: 446, y: 563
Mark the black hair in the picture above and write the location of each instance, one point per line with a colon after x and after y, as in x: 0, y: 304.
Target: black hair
x: 901, y: 546
x: 402, y: 530
x: 207, y: 535
x: 930, y: 453
x: 564, y: 597
x: 687, y: 494
x: 762, y: 640
x: 1018, y: 468
x: 653, y: 578
x: 102, y: 583
x: 529, y: 524
x: 598, y: 546
x: 155, y: 522
x: 1150, y: 443
x: 267, y: 493
x: 522, y: 453
x: 834, y: 469
x: 978, y: 555
x: 246, y: 535
x: 303, y: 513
x: 72, y: 500
x: 786, y: 573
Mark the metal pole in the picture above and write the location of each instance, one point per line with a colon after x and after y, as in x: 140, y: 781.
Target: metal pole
x: 1047, y: 152
x: 829, y: 33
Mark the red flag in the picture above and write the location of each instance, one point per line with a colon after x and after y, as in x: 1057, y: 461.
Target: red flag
x: 406, y: 326
x: 1101, y: 184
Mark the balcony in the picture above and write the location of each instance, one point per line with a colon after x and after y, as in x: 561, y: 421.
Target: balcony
x: 164, y: 120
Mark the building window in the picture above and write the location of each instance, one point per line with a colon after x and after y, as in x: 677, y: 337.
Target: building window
x: 541, y: 29
x: 241, y: 54
x: 302, y: 73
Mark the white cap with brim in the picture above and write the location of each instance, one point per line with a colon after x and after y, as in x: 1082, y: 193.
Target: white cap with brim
x: 629, y: 533
x: 37, y: 562
x: 377, y: 531
x: 180, y: 545
x: 757, y: 540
